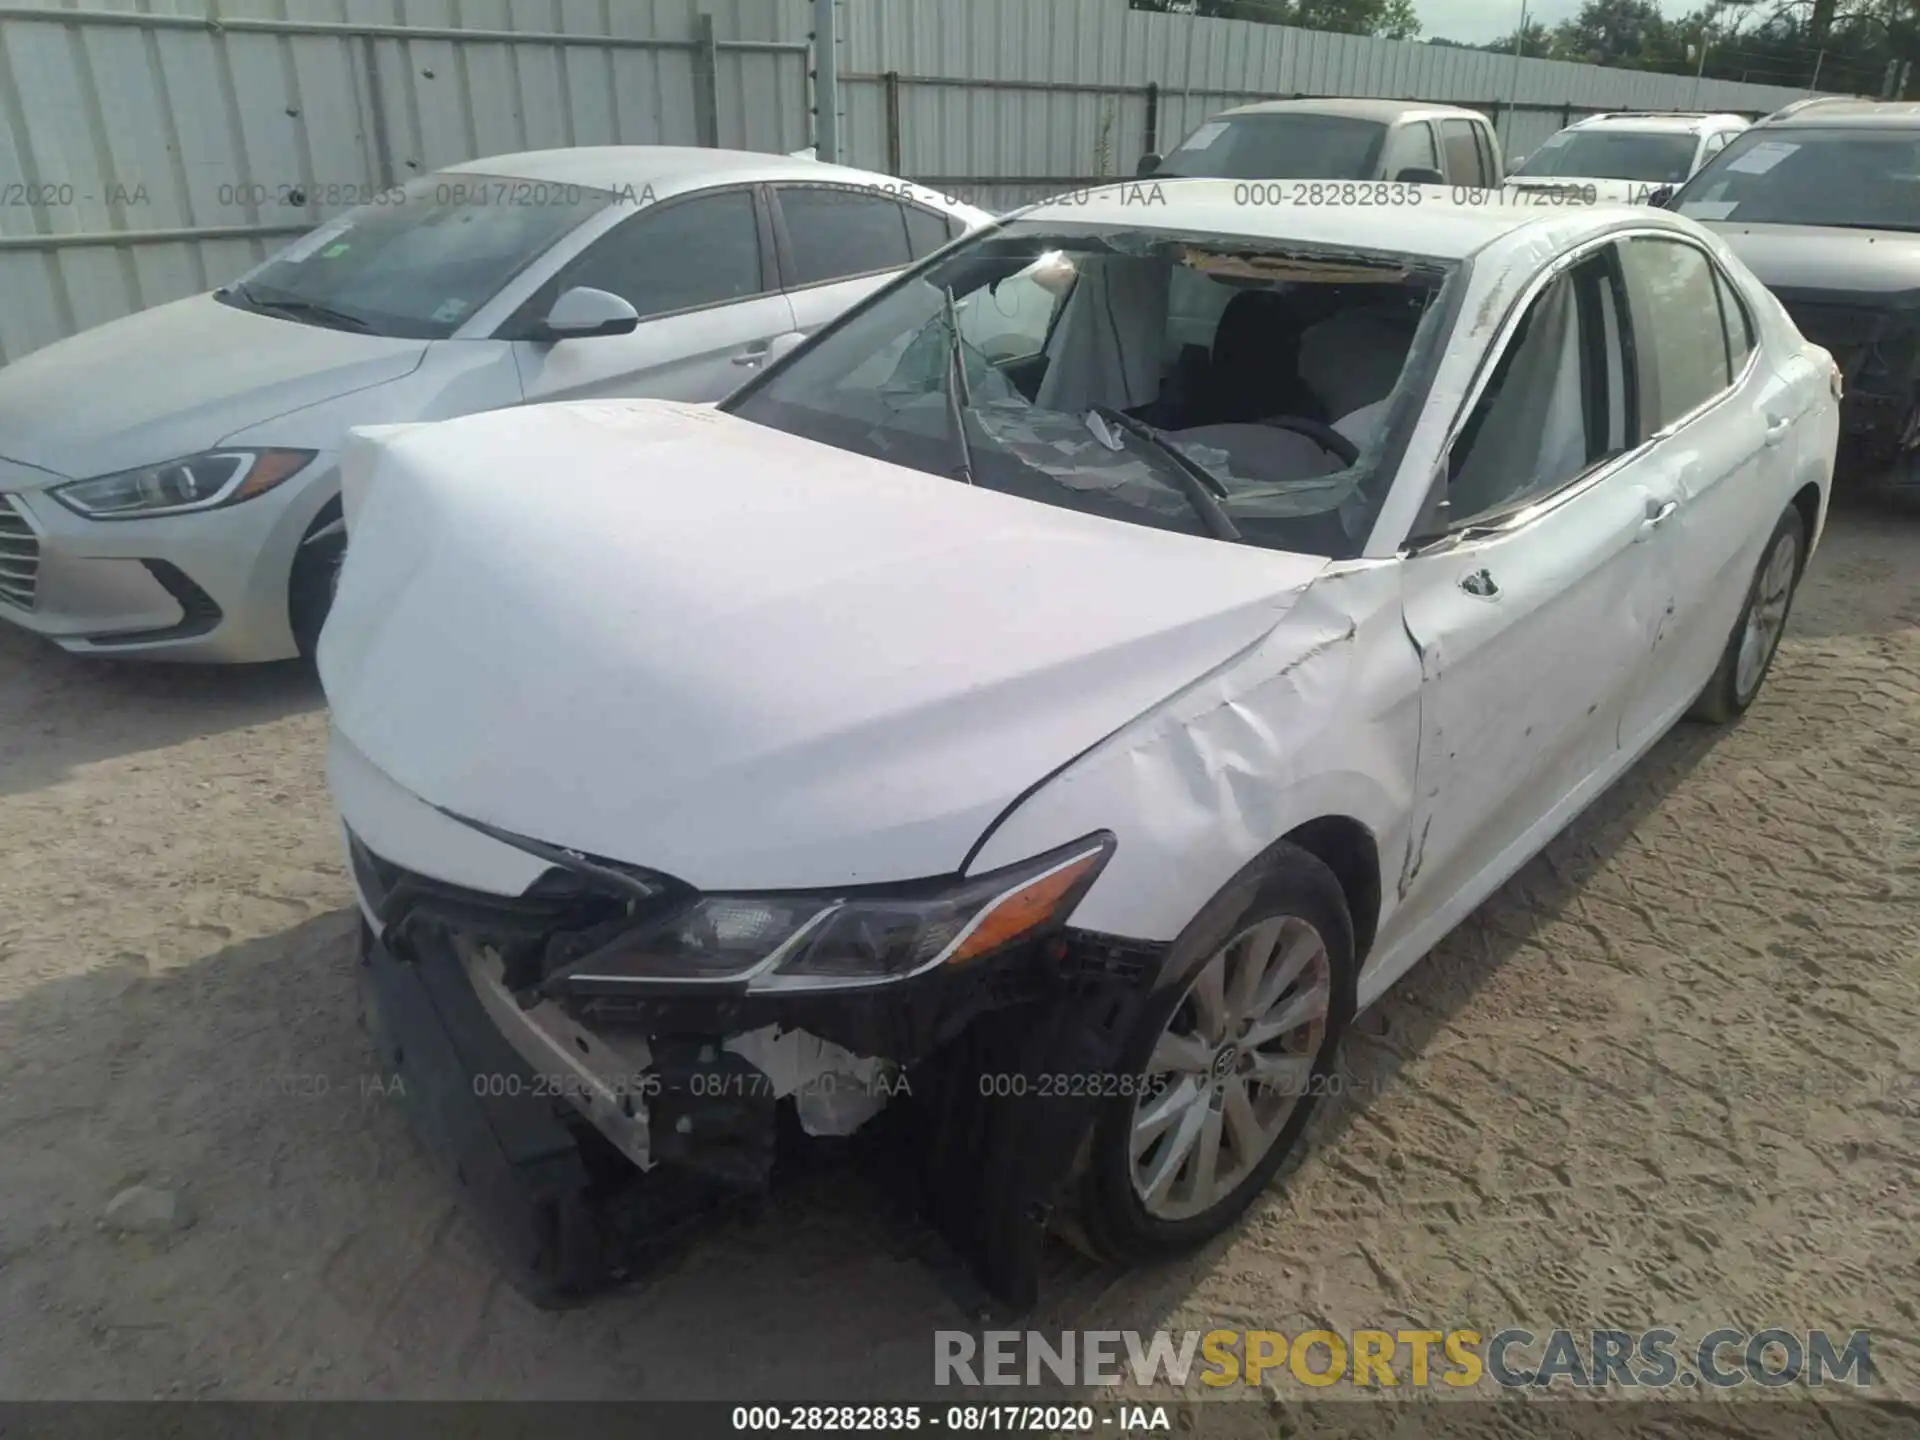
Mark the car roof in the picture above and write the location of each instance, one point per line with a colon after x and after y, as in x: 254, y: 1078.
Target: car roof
x: 671, y: 169
x: 1660, y: 122
x: 1845, y: 110
x: 1385, y: 111
x: 1435, y: 227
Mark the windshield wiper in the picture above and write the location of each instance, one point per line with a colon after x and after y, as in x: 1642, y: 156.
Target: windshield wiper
x: 294, y: 308
x: 1195, y: 483
x: 959, y: 397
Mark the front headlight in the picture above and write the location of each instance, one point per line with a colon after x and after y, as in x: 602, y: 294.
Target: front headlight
x: 825, y: 941
x: 199, y: 482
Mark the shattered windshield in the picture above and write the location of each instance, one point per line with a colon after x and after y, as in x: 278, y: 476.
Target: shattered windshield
x: 1660, y: 159
x: 1202, y: 384
x: 1864, y: 178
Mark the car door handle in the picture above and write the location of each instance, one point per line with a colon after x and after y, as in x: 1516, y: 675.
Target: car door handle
x: 1479, y: 583
x: 1777, y: 430
x: 754, y: 353
x: 1658, y: 510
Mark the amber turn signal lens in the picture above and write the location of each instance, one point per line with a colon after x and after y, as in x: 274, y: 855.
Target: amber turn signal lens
x: 269, y: 470
x: 1027, y: 908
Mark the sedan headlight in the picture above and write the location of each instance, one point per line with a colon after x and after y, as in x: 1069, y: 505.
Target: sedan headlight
x: 199, y: 482
x: 826, y: 941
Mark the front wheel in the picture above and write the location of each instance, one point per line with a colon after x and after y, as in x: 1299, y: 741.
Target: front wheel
x: 1756, y: 635
x: 315, y: 578
x: 1233, y: 1051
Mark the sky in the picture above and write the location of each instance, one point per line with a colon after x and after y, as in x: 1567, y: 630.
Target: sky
x: 1474, y: 22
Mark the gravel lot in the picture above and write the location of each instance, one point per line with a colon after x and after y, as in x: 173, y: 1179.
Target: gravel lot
x: 1666, y: 1076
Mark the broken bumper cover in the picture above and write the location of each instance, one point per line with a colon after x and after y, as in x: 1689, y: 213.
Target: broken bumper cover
x: 587, y: 1131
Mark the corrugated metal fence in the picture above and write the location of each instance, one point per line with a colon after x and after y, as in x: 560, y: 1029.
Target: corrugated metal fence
x: 149, y: 154
x: 152, y: 148
x: 967, y: 96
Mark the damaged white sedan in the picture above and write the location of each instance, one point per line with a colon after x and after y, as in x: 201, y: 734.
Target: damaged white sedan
x: 1026, y: 724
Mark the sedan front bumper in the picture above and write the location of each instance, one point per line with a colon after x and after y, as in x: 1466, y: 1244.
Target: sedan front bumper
x: 587, y: 1137
x: 210, y: 586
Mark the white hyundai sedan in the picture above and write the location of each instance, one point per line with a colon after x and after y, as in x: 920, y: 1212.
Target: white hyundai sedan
x: 1050, y: 745
x: 169, y: 482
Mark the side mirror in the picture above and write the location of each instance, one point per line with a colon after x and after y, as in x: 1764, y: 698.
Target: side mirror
x: 1149, y: 163
x: 1419, y: 175
x: 583, y: 312
x: 1662, y: 199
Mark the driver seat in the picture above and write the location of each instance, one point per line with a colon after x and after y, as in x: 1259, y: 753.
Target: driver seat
x: 1255, y: 369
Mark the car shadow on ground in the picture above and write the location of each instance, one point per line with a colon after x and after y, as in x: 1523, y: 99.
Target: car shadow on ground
x: 324, y: 1232
x: 1416, y: 1011
x: 328, y: 1257
x: 59, y: 712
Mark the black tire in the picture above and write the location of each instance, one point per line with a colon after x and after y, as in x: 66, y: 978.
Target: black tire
x: 316, y: 571
x: 1285, y: 882
x: 1724, y: 699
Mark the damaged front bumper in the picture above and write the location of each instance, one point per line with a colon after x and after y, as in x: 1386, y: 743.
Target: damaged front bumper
x: 590, y: 1133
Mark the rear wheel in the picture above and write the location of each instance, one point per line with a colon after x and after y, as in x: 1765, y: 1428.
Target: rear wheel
x: 316, y: 575
x: 1233, y: 1051
x: 1756, y: 635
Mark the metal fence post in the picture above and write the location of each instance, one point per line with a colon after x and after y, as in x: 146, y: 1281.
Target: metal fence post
x: 826, y: 83
x: 893, y: 122
x: 706, y: 83
x: 1152, y: 147
x: 377, y: 115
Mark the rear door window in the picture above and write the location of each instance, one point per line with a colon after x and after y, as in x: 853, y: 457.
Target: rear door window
x: 1411, y: 148
x: 1680, y: 340
x: 833, y: 234
x: 927, y: 230
x: 1463, y: 152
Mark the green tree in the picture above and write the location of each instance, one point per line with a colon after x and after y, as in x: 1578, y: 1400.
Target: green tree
x: 1536, y: 42
x: 1613, y: 32
x: 1389, y: 19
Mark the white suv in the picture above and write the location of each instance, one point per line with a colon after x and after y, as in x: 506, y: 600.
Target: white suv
x: 1626, y: 155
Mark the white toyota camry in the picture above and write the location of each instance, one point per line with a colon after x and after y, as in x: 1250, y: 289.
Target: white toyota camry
x: 1048, y: 705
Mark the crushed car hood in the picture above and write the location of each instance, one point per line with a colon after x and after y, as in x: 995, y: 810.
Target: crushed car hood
x: 1877, y: 263
x: 658, y: 634
x: 176, y: 379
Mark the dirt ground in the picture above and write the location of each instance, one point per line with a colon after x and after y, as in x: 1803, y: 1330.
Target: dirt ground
x: 1665, y: 1076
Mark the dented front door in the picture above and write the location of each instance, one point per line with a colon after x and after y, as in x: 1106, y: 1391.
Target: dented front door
x: 1529, y: 640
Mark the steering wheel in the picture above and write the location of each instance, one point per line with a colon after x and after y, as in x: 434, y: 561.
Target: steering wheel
x: 1325, y: 436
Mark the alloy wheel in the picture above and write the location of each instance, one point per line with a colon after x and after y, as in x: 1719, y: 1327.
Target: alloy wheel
x: 1231, y: 1066
x: 1767, y: 615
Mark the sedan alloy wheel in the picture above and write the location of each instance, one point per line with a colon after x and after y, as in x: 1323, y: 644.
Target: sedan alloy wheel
x: 1231, y: 1066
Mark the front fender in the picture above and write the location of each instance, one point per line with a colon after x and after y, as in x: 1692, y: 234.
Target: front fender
x: 1321, y: 718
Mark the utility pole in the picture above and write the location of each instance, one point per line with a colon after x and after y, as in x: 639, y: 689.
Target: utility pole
x: 826, y: 84
x: 1886, y: 85
x: 1900, y: 90
x: 1513, y: 93
x: 1700, y: 70
x: 1813, y: 85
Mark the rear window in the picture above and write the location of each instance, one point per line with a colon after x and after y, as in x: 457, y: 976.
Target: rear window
x: 1281, y: 147
x: 1659, y: 159
x: 1861, y: 178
